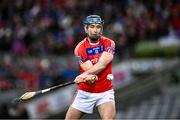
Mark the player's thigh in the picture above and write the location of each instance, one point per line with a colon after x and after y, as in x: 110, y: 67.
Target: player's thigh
x: 73, y: 113
x: 107, y: 110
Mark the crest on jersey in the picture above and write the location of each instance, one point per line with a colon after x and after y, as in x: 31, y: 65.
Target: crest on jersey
x: 110, y: 50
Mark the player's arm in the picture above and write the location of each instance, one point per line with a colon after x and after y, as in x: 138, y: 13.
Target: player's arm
x: 84, y: 63
x: 104, y: 60
x: 87, y: 65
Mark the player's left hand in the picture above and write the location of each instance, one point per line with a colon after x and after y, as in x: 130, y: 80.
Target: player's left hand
x: 91, y: 79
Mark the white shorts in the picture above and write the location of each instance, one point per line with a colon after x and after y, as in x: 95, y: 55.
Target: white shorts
x: 85, y: 101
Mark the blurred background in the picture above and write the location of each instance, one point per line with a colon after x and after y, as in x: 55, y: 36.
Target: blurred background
x: 38, y: 37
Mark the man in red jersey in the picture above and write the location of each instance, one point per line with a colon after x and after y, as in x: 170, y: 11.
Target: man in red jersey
x: 94, y: 54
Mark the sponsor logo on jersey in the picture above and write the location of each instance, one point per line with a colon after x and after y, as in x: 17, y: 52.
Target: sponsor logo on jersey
x: 94, y: 50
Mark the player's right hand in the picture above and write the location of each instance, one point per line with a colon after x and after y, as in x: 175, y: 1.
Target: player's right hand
x: 86, y: 78
x: 79, y: 79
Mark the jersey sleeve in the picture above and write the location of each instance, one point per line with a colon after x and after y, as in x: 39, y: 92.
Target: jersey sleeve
x: 80, y: 54
x: 109, y: 46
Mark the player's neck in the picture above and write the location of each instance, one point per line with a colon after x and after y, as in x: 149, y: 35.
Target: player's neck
x: 93, y: 42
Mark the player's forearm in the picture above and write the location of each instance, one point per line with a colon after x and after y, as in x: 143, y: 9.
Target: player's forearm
x: 104, y: 60
x: 97, y: 68
x: 86, y: 66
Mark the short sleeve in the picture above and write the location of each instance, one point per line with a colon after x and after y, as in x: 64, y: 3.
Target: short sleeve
x: 80, y: 54
x: 109, y: 46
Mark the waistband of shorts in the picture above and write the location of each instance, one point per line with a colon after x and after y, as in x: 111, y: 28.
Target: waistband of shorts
x: 95, y: 92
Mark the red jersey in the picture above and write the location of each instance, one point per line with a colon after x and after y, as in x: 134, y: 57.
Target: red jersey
x: 85, y: 51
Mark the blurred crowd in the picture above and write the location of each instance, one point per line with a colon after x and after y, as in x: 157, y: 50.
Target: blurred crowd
x: 35, y: 28
x: 34, y: 74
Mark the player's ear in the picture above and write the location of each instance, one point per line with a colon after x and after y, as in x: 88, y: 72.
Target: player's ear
x: 85, y: 28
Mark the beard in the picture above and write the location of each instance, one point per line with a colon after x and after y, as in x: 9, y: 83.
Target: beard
x: 94, y: 38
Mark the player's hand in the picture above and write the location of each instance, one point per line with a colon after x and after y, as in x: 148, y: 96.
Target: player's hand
x: 80, y: 78
x: 91, y: 79
x: 85, y: 78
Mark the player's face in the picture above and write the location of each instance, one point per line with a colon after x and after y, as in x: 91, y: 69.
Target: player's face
x: 94, y: 31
